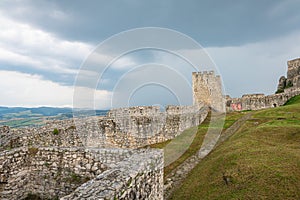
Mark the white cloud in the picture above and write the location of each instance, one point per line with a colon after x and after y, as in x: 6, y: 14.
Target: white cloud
x: 245, y: 69
x: 17, y: 59
x: 20, y: 89
x: 25, y: 45
x: 32, y: 49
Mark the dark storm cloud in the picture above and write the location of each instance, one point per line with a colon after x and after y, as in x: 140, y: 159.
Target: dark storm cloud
x: 44, y: 43
x: 211, y: 23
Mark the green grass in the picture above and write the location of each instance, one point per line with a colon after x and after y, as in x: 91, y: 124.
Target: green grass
x: 178, y: 145
x: 293, y: 100
x: 194, y: 145
x: 17, y: 123
x: 260, y: 161
x: 231, y: 118
x: 55, y: 131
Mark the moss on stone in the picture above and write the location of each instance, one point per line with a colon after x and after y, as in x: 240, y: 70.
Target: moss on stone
x: 32, y: 151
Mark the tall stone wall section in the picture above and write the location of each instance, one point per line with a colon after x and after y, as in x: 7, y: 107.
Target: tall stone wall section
x: 56, y: 172
x: 125, y: 127
x: 293, y: 73
x: 293, y: 76
x: 141, y: 126
x: 207, y: 89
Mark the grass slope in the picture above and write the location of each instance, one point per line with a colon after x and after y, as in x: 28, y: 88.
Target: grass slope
x: 197, y: 140
x: 260, y: 161
x: 179, y: 142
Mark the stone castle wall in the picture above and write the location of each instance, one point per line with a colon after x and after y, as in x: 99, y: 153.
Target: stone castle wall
x: 287, y: 88
x: 125, y: 127
x: 41, y: 136
x: 141, y: 126
x: 56, y: 172
x: 47, y: 172
x: 293, y: 76
x: 293, y: 73
x: 139, y: 177
x: 260, y: 101
x: 51, y: 161
x: 207, y: 89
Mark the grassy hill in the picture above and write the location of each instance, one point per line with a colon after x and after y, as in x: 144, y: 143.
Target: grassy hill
x: 260, y: 161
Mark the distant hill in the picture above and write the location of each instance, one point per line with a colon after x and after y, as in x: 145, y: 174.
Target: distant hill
x: 21, y: 116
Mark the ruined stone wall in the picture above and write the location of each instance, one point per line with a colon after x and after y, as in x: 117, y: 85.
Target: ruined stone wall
x: 207, y: 89
x: 260, y: 101
x: 66, y: 136
x: 293, y: 76
x: 293, y: 73
x: 286, y: 89
x: 188, y: 116
x: 125, y: 127
x: 46, y: 172
x: 136, y: 127
x: 56, y: 172
x: 138, y: 177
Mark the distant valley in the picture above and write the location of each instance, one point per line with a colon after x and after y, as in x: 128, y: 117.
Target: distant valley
x: 16, y: 117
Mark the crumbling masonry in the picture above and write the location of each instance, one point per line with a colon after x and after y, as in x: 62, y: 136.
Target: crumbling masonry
x: 94, y: 157
x: 287, y: 88
x: 102, y: 158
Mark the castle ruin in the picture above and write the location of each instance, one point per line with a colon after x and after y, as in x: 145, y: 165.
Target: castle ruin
x: 103, y: 158
x: 293, y: 76
x: 207, y: 89
x: 97, y: 157
x: 287, y: 88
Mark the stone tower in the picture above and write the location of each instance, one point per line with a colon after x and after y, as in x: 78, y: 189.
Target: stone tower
x: 207, y: 89
x: 293, y: 74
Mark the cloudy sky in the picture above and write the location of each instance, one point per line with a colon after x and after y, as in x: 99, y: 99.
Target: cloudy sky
x: 43, y: 44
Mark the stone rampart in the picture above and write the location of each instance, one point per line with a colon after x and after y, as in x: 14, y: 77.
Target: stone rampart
x: 207, y: 89
x: 260, y: 101
x: 51, y: 172
x: 125, y: 127
x: 139, y: 128
x: 139, y: 177
x: 46, y: 171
